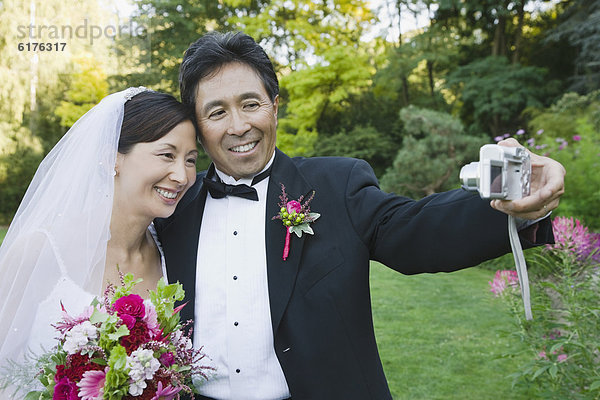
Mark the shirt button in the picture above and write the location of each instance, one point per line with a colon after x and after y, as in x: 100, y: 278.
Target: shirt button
x: 234, y: 233
x: 238, y: 371
x: 235, y: 277
x: 236, y: 323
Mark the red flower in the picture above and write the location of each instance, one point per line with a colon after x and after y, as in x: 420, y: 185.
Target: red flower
x: 130, y: 305
x: 75, y: 367
x: 137, y: 335
x: 65, y: 390
x: 167, y: 359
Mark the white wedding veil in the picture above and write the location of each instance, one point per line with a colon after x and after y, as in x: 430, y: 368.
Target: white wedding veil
x: 61, y: 228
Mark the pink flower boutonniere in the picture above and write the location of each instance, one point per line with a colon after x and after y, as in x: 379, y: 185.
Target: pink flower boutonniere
x: 296, y: 217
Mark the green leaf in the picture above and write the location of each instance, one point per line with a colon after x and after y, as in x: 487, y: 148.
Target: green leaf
x: 120, y: 332
x: 553, y: 371
x: 540, y: 371
x: 595, y: 385
x: 98, y: 317
x: 555, y: 347
x: 34, y: 395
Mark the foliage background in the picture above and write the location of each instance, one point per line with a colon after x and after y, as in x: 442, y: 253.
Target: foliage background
x: 378, y: 80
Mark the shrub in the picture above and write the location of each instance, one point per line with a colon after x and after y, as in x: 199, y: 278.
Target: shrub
x: 431, y: 156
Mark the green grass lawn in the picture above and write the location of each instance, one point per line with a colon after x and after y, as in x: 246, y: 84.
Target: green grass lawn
x: 438, y: 336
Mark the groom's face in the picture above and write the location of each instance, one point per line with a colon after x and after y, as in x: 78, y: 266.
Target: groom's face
x: 237, y: 120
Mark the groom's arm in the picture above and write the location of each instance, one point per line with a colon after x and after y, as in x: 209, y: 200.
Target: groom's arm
x: 442, y: 232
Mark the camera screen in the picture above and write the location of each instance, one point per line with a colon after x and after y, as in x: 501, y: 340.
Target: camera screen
x: 495, y: 179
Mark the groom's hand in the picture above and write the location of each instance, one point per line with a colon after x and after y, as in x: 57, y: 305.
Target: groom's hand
x: 547, y: 185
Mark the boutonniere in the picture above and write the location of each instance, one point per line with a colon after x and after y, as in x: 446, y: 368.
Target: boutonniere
x: 296, y: 217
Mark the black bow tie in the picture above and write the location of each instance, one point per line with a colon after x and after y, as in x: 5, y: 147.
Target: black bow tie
x: 218, y: 189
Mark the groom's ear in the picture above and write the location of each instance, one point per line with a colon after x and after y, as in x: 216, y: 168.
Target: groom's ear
x: 276, y: 106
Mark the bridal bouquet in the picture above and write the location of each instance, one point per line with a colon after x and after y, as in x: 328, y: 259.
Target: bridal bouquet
x: 122, y: 347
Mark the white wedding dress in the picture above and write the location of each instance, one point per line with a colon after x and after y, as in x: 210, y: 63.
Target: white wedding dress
x: 74, y: 299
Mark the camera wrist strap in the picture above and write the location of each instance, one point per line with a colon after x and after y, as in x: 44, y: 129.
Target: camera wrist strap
x: 520, y: 265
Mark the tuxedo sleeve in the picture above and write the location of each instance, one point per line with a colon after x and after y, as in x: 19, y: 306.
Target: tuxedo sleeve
x: 442, y: 232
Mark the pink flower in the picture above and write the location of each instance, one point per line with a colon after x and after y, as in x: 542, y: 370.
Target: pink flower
x: 539, y: 132
x: 166, y: 393
x: 577, y: 138
x: 69, y: 322
x: 128, y: 320
x: 294, y: 205
x: 65, y: 390
x: 573, y: 237
x: 498, y: 138
x: 502, y: 280
x: 520, y: 131
x: 561, y: 357
x: 542, y: 355
x: 130, y: 305
x: 151, y: 320
x: 92, y: 385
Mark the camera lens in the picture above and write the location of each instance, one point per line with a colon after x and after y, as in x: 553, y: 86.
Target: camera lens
x: 469, y: 175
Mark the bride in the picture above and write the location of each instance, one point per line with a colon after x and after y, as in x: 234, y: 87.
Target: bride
x: 87, y: 214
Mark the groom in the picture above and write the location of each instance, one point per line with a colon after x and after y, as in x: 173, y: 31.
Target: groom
x: 299, y: 325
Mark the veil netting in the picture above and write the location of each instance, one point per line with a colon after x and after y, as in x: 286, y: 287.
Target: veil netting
x: 57, y: 239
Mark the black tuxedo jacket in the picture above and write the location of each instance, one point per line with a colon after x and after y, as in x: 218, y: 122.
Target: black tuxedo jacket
x: 319, y: 297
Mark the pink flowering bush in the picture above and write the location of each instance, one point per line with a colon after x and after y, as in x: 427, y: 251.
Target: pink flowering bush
x: 563, y: 339
x: 573, y: 238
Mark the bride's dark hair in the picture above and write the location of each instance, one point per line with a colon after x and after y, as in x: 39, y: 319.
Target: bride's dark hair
x: 148, y: 116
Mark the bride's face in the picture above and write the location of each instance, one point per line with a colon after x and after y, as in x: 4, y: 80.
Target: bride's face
x: 152, y: 177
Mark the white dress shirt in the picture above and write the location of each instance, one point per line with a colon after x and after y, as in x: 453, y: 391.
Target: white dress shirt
x: 232, y: 312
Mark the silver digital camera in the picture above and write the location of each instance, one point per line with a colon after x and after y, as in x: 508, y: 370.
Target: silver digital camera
x: 501, y: 173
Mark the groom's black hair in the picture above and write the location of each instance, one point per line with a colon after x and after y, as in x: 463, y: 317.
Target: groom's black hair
x: 148, y: 116
x: 213, y: 50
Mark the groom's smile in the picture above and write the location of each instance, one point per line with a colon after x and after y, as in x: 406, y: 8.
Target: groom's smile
x: 237, y: 120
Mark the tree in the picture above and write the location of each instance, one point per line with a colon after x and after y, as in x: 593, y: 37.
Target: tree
x: 431, y: 154
x: 494, y: 93
x: 328, y: 85
x: 580, y: 26
x: 363, y: 142
x: 88, y: 87
x: 497, y: 24
x: 170, y: 27
x: 33, y: 81
x: 298, y: 31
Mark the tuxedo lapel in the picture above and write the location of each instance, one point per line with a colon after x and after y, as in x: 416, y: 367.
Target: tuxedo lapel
x: 282, y: 274
x: 180, y: 242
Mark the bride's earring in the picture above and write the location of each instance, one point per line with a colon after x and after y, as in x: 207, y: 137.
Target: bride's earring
x: 118, y: 160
